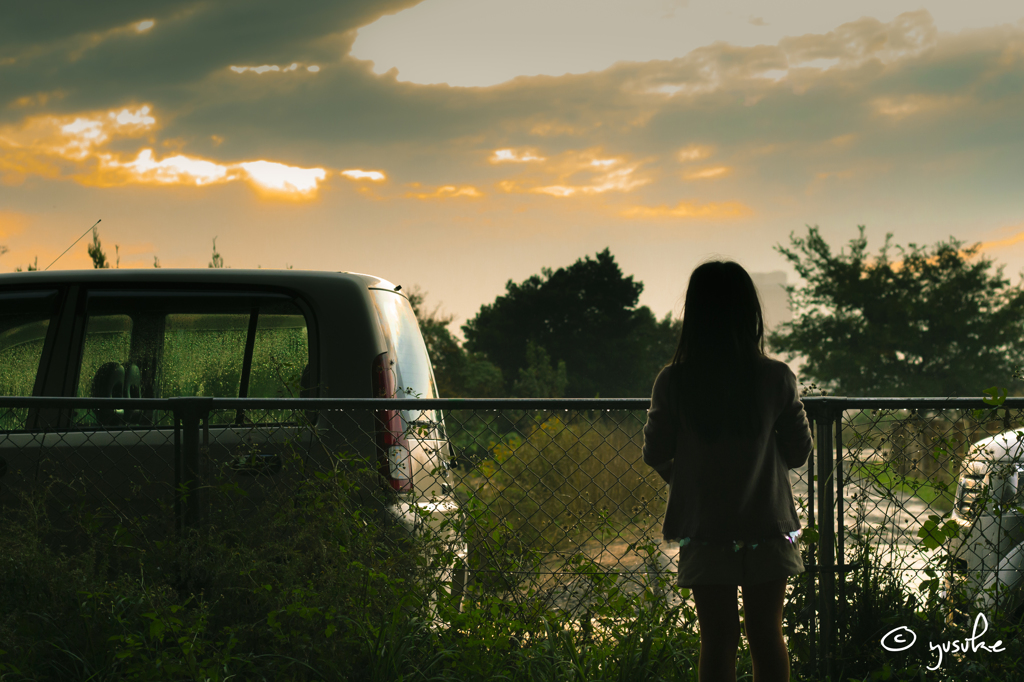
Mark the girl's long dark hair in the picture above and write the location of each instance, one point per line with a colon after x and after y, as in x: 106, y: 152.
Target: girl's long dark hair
x: 717, y: 360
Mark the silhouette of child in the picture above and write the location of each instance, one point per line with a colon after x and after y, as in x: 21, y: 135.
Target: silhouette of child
x: 724, y: 428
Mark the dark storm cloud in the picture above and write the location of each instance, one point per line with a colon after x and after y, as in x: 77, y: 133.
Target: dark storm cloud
x: 90, y: 57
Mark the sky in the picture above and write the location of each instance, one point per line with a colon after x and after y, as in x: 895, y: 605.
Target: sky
x: 454, y: 145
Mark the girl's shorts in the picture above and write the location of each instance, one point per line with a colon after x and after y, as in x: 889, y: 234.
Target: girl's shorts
x: 738, y: 563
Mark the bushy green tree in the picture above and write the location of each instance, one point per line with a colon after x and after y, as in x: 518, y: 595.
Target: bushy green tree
x: 937, y: 322
x: 585, y: 315
x: 539, y: 379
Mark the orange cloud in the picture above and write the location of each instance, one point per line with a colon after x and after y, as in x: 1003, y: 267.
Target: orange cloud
x: 690, y: 209
x: 559, y: 176
x: 179, y: 169
x: 1002, y: 243
x: 706, y: 173
x: 445, y: 192
x: 694, y: 152
x: 899, y: 108
x: 73, y: 146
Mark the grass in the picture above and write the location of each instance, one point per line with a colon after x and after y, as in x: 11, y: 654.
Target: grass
x: 308, y: 587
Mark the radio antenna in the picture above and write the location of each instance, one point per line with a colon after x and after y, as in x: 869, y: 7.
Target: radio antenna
x: 72, y: 244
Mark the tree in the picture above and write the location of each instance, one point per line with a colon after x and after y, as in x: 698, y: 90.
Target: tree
x: 584, y: 315
x: 539, y: 379
x: 934, y: 323
x: 99, y: 259
x: 458, y: 374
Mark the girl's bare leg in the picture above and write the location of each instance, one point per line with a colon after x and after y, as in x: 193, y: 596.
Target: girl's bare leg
x: 762, y: 620
x: 719, y: 622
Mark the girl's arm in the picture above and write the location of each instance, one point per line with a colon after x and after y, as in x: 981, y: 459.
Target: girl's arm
x: 792, y: 432
x: 660, y: 430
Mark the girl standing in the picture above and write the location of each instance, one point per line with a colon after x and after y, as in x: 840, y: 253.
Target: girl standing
x: 724, y: 428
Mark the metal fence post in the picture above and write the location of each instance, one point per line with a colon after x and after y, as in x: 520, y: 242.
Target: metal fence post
x: 840, y: 516
x: 826, y: 541
x: 188, y: 412
x: 811, y: 590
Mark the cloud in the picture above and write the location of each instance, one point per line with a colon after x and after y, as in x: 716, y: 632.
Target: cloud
x: 445, y: 192
x: 898, y: 108
x: 278, y: 177
x: 784, y: 113
x: 356, y: 174
x: 1003, y: 243
x: 178, y: 169
x: 708, y: 173
x: 77, y: 146
x: 574, y: 173
x: 694, y: 152
x: 515, y: 156
x: 690, y: 209
x: 312, y: 68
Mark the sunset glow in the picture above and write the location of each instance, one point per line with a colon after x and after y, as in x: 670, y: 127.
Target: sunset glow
x: 177, y: 169
x: 665, y: 130
x: 281, y: 178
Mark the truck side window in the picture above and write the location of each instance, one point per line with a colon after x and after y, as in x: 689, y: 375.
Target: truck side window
x: 203, y: 354
x: 165, y: 346
x: 280, y: 355
x: 24, y: 322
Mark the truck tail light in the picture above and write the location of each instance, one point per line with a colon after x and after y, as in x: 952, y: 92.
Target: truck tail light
x: 393, y: 459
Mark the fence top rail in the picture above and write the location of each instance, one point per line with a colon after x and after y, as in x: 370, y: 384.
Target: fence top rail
x: 897, y: 403
x: 328, y: 403
x: 813, y: 403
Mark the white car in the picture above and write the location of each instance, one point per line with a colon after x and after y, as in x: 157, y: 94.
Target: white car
x: 988, y: 554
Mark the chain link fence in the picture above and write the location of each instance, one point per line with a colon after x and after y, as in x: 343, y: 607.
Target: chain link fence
x: 547, y: 503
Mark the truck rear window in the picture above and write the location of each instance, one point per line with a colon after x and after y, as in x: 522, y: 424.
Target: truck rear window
x: 414, y: 374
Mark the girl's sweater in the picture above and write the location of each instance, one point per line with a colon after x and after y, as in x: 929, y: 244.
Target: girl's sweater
x: 737, y: 488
